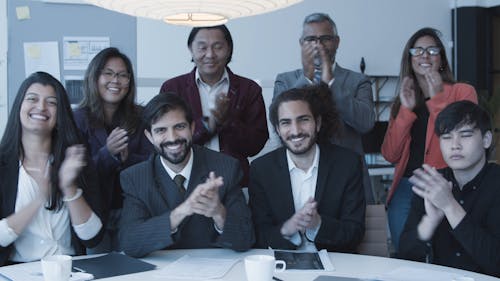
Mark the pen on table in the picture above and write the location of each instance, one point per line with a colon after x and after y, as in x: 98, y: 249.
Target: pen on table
x: 277, y: 279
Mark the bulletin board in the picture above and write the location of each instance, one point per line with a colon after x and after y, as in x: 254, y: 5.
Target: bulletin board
x: 38, y: 21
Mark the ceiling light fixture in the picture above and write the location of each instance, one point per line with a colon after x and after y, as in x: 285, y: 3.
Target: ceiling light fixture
x: 191, y: 12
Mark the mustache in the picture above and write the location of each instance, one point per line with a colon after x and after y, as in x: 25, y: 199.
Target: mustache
x: 178, y: 141
x: 301, y: 135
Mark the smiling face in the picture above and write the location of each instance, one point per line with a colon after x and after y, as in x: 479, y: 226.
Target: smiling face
x: 425, y: 62
x: 463, y: 148
x: 297, y: 127
x: 172, y: 136
x: 39, y: 109
x: 112, y: 83
x: 210, y: 52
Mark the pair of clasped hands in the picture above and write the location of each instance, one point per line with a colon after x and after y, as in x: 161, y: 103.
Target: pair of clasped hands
x: 205, y: 201
x: 312, y: 51
x: 305, y: 218
x: 430, y: 85
x: 439, y: 201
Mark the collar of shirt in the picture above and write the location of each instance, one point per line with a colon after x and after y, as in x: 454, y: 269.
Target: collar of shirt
x: 303, y: 183
x: 291, y: 164
x: 474, y: 184
x: 205, y: 86
x: 185, y: 172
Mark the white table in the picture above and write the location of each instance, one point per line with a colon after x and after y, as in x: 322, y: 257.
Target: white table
x: 348, y: 265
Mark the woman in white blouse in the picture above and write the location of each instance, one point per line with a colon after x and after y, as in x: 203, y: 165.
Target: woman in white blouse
x: 49, y: 197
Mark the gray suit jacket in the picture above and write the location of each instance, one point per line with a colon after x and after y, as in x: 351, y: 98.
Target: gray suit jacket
x: 150, y: 195
x: 352, y: 93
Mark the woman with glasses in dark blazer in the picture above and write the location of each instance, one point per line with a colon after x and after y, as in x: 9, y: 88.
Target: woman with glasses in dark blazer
x: 110, y: 120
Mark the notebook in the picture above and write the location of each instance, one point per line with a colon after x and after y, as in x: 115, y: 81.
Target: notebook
x: 112, y: 264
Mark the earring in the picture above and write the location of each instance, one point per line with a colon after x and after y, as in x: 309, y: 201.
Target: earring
x: 441, y: 68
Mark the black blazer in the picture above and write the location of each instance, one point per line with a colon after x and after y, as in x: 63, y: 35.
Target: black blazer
x: 9, y: 175
x: 150, y: 195
x: 339, y: 193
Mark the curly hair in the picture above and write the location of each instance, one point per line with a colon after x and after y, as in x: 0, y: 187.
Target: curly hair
x: 321, y: 104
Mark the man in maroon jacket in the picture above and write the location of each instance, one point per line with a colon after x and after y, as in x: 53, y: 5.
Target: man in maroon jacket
x: 228, y: 110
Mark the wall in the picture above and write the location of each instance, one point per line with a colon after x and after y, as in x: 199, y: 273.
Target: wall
x: 51, y: 22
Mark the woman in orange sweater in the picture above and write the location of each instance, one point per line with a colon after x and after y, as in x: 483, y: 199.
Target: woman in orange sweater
x: 426, y: 86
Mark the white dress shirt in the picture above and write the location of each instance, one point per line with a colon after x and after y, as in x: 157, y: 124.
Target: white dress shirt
x: 185, y: 172
x: 48, y: 233
x: 303, y: 188
x: 208, y: 95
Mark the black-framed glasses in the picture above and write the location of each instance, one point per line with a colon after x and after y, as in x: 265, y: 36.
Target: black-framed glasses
x: 431, y: 50
x: 122, y: 77
x: 323, y: 39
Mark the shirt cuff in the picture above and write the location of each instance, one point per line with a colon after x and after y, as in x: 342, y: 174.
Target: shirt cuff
x: 88, y: 229
x: 311, y: 233
x: 7, y: 234
x: 218, y: 229
x: 296, y: 239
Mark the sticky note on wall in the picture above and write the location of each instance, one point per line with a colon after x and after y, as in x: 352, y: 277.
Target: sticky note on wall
x: 74, y: 50
x: 23, y: 12
x: 34, y: 51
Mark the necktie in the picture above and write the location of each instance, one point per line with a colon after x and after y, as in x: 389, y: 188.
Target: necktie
x: 317, y: 76
x: 179, y: 181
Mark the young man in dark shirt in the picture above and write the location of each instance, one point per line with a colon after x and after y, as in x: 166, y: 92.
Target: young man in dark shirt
x: 455, y: 217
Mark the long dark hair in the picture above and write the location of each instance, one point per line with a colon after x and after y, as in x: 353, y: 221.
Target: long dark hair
x: 127, y: 116
x: 63, y: 135
x: 407, y: 69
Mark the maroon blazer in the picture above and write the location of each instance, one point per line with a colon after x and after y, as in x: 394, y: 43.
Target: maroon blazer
x: 245, y: 133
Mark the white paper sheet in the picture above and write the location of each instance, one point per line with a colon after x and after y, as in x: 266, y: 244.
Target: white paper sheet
x: 188, y: 267
x: 42, y: 56
x: 417, y: 274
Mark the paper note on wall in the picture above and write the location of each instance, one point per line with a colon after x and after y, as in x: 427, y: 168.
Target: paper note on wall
x: 42, y: 56
x: 23, y: 13
x: 79, y: 51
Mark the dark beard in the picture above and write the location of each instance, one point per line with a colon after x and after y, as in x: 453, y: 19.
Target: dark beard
x: 295, y: 151
x: 174, y: 158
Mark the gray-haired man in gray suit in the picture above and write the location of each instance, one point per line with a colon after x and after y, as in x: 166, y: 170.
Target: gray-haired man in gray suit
x: 184, y: 196
x: 351, y: 91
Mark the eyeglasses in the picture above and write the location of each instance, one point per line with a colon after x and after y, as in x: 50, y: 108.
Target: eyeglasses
x: 418, y: 51
x: 323, y: 39
x: 123, y: 77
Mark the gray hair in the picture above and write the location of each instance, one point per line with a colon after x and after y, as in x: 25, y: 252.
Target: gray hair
x: 321, y: 17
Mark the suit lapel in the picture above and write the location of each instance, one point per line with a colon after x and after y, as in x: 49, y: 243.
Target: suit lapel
x: 325, y: 163
x: 200, y: 170
x: 283, y: 185
x: 194, y: 95
x: 234, y: 86
x: 165, y: 185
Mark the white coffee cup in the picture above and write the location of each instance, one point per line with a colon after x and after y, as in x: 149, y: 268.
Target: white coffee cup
x: 262, y: 267
x: 56, y: 268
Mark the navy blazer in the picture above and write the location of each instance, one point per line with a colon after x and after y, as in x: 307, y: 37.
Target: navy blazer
x: 245, y: 132
x: 339, y: 193
x: 9, y: 173
x: 108, y: 166
x: 150, y: 195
